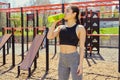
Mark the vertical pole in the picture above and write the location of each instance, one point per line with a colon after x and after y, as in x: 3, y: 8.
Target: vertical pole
x: 27, y: 32
x: 13, y: 48
x: 91, y: 28
x: 47, y: 52
x: 119, y: 40
x: 34, y: 34
x: 35, y: 60
x: 34, y: 25
x: 37, y: 19
x: 85, y: 21
x: 7, y: 19
x: 63, y: 6
x: 55, y: 43
x: 22, y: 37
x: 98, y: 31
x: 37, y: 25
x: 4, y: 57
x: 29, y: 72
x: 9, y: 25
x: 9, y: 14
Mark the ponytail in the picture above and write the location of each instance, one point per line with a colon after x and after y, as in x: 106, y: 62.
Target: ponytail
x: 77, y: 20
x: 76, y: 10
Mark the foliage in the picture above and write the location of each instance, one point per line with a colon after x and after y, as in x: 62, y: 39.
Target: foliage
x: 15, y: 20
x: 109, y: 30
x: 2, y: 20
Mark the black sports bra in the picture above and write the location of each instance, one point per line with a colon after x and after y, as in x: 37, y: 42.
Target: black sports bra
x: 68, y: 36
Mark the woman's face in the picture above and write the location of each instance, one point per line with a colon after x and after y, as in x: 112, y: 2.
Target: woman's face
x: 69, y: 14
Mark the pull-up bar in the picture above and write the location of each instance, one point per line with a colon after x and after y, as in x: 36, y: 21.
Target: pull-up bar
x: 2, y: 3
x: 58, y: 6
x: 7, y: 4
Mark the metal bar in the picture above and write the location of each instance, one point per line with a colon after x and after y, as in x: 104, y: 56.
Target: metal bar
x: 47, y: 52
x: 37, y: 25
x: 18, y: 72
x: 4, y: 56
x: 27, y: 38
x: 35, y: 62
x: 29, y: 72
x: 22, y: 37
x: 13, y: 48
x: 57, y: 6
x: 119, y: 41
x: 37, y: 18
x: 9, y: 25
x: 33, y: 25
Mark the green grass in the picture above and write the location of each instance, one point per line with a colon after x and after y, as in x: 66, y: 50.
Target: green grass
x: 0, y: 33
x: 109, y: 30
x: 18, y: 33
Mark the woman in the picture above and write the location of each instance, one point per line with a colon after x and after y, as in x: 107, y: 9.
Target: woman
x: 69, y: 35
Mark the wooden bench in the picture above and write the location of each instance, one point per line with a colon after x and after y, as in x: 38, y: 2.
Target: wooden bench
x: 31, y: 54
x: 4, y: 39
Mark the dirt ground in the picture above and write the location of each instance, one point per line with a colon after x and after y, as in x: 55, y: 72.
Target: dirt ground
x: 99, y: 67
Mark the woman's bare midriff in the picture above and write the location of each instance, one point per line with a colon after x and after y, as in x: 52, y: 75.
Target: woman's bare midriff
x: 67, y: 49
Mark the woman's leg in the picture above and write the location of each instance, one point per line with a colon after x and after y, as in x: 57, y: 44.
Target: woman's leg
x: 74, y: 67
x: 74, y: 74
x: 63, y: 68
x: 63, y: 72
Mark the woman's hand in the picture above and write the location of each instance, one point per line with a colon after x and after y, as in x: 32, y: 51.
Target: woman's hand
x: 80, y: 70
x: 57, y: 21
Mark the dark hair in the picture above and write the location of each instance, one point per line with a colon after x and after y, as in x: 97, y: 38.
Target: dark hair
x: 76, y: 10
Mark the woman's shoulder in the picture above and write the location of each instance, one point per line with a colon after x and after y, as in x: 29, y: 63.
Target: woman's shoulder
x: 79, y: 27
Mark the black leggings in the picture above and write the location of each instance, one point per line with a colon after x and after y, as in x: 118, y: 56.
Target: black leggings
x: 68, y: 63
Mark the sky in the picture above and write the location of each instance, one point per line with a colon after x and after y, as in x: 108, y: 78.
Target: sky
x: 21, y: 3
x: 60, y: 1
x: 16, y: 3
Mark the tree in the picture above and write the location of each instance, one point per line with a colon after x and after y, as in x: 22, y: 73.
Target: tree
x: 38, y: 2
x: 116, y: 12
x: 42, y: 2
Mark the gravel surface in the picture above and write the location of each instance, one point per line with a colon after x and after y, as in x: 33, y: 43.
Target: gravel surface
x: 97, y: 67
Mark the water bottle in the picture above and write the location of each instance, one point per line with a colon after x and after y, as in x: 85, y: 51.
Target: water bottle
x: 53, y: 18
